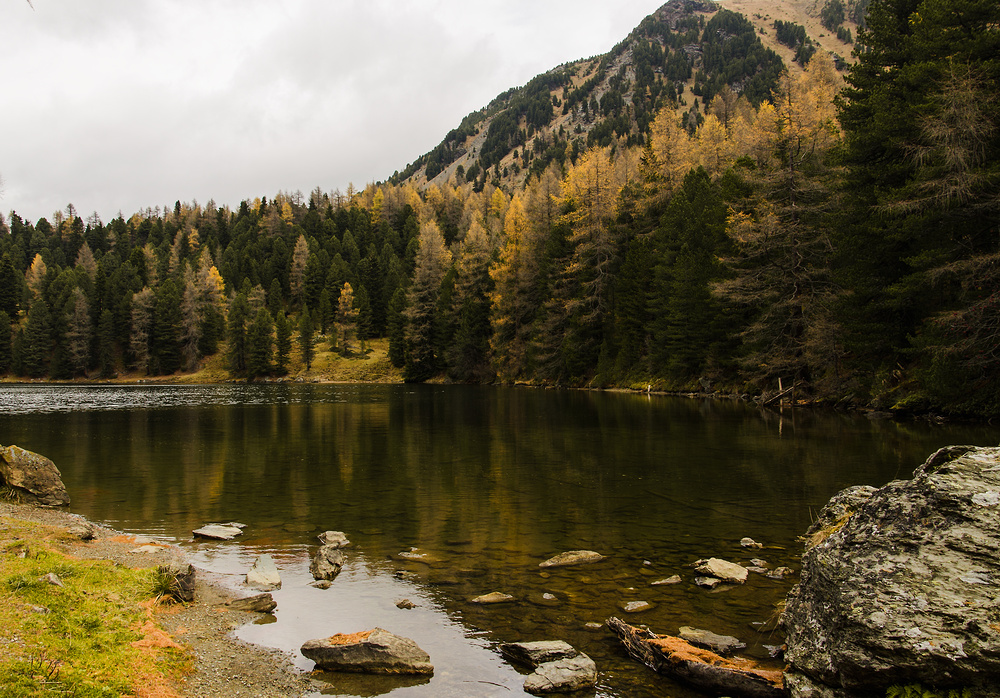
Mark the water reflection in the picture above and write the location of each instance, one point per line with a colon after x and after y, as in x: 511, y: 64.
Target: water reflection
x: 487, y: 482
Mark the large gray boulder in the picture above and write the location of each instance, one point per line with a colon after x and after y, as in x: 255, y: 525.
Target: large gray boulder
x: 327, y: 562
x: 374, y: 651
x: 34, y: 478
x: 558, y: 666
x: 264, y: 576
x: 899, y: 585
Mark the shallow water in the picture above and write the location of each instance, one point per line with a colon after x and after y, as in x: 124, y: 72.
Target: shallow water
x: 486, y: 483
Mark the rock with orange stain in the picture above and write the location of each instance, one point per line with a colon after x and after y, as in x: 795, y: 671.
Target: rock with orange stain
x: 375, y: 651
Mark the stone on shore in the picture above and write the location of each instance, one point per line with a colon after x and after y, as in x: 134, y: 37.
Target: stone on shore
x: 327, y: 562
x: 264, y: 574
x: 337, y: 539
x: 83, y: 530
x: 572, y: 557
x: 258, y: 603
x: 720, y: 644
x: 218, y: 531
x: 374, y: 651
x: 182, y: 583
x: 899, y: 585
x: 725, y: 571
x: 33, y: 477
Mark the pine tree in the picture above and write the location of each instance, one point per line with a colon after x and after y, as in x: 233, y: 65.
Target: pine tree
x: 10, y: 288
x: 80, y: 333
x: 260, y: 344
x: 37, y: 343
x: 6, y: 347
x: 141, y: 316
x: 167, y: 330
x: 396, y: 320
x: 432, y: 263
x: 282, y: 343
x: 239, y: 314
x: 307, y: 340
x: 106, y: 344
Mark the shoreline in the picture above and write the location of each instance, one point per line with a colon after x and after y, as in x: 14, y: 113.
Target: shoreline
x: 221, y: 663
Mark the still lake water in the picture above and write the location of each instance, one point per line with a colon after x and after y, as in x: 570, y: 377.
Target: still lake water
x: 485, y: 482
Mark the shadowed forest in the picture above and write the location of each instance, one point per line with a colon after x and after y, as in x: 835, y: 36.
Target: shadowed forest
x: 836, y: 230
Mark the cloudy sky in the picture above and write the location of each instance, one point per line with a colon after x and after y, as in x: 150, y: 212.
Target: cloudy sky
x: 116, y: 105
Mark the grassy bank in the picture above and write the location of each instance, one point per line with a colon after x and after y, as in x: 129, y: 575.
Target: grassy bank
x: 86, y: 631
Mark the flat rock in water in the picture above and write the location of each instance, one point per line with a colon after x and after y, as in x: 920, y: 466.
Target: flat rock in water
x: 562, y: 676
x: 899, y: 585
x: 707, y: 582
x: 218, y: 532
x: 259, y: 603
x: 572, y: 557
x: 374, y: 651
x: 35, y: 478
x: 264, y: 575
x: 720, y: 644
x: 327, y: 562
x: 335, y: 538
x: 721, y: 569
x: 405, y: 604
x: 750, y: 543
x: 493, y: 597
x: 533, y: 654
x: 635, y: 606
x: 675, y: 579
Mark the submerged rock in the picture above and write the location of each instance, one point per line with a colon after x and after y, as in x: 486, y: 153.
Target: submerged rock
x: 674, y: 579
x: 899, y: 585
x: 493, y: 597
x: 534, y: 653
x: 327, y: 562
x: 750, y: 543
x: 635, y: 606
x: 264, y: 575
x: 375, y: 651
x: 572, y: 557
x: 33, y: 477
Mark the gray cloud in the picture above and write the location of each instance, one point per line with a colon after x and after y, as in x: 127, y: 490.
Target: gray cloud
x: 123, y: 104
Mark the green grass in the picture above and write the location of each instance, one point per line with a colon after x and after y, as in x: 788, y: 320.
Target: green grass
x: 75, y: 639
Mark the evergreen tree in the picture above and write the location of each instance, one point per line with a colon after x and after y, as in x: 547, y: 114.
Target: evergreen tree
x: 396, y: 321
x: 282, y: 343
x: 260, y: 344
x: 141, y: 316
x: 365, y: 319
x: 239, y: 314
x: 80, y: 333
x: 106, y: 344
x: 432, y: 263
x: 167, y: 330
x: 6, y: 346
x: 37, y: 343
x: 10, y: 287
x: 307, y: 340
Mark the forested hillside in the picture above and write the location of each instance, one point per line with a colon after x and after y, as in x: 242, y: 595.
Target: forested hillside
x: 839, y: 236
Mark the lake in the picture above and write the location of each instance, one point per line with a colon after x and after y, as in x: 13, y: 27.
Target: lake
x: 481, y: 484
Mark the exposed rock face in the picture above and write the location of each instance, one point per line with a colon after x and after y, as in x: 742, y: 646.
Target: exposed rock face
x: 327, y: 563
x: 35, y: 478
x: 559, y: 667
x: 264, y: 574
x: 572, y: 557
x: 900, y: 584
x: 374, y: 651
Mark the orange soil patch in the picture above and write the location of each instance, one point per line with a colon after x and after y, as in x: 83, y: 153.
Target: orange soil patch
x: 349, y: 638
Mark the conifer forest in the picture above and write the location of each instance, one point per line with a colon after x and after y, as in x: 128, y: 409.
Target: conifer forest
x: 834, y: 227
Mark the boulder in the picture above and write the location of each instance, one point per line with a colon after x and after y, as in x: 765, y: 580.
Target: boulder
x: 750, y: 543
x: 83, y: 530
x: 562, y: 676
x: 258, y: 603
x: 898, y: 585
x: 34, y: 478
x: 675, y: 579
x: 264, y: 575
x: 572, y: 557
x: 558, y: 666
x: 635, y: 606
x: 720, y: 569
x: 702, y: 669
x: 327, y: 562
x: 218, y: 531
x: 374, y: 651
x: 337, y: 539
x: 720, y: 644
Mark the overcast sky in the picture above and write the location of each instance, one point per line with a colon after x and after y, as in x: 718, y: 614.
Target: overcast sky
x: 116, y: 105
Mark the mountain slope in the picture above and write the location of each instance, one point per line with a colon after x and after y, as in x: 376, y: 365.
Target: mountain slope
x: 681, y: 56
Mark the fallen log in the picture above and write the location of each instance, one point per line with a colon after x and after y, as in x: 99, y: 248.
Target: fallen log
x: 701, y: 669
